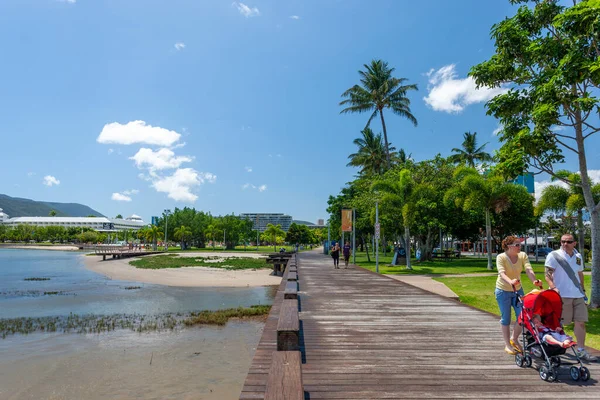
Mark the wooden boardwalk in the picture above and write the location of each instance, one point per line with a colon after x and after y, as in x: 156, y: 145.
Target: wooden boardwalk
x: 366, y: 336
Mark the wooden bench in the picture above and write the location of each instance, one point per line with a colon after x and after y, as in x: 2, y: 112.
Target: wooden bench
x: 291, y: 290
x: 288, y: 326
x: 284, y: 381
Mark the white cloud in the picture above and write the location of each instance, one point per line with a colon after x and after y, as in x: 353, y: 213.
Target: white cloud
x: 49, y: 180
x: 450, y: 94
x: 120, y: 197
x: 179, y: 46
x: 248, y: 169
x: 110, y: 151
x: 179, y: 185
x: 248, y: 185
x: 245, y: 10
x: 262, y: 188
x: 129, y: 192
x: 67, y: 1
x: 497, y: 130
x: 296, y: 17
x: 137, y: 132
x: 158, y: 160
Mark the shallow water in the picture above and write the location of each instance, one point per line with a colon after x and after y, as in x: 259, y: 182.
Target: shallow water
x: 81, y: 291
x: 194, y: 363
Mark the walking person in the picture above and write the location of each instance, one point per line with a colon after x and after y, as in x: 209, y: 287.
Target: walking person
x: 564, y: 274
x: 510, y: 264
x: 335, y: 253
x: 347, y: 250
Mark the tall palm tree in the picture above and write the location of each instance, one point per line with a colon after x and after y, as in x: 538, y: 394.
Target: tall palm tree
x: 379, y: 90
x: 371, y: 154
x: 182, y: 233
x: 152, y: 233
x: 470, y: 153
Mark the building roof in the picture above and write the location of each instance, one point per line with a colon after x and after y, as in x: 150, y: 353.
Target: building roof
x: 87, y: 220
x: 134, y: 217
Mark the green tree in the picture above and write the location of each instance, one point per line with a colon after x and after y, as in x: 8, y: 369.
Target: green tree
x: 3, y: 233
x: 398, y: 191
x: 379, y: 90
x: 211, y: 231
x: 152, y: 233
x: 549, y: 53
x: 182, y: 233
x: 272, y: 232
x: 474, y: 191
x: 470, y: 153
x: 119, y: 216
x: 52, y: 213
x: 371, y: 154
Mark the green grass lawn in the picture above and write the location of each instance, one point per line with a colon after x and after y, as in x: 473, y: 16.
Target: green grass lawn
x: 464, y: 265
x: 249, y: 249
x: 169, y: 261
x: 479, y: 292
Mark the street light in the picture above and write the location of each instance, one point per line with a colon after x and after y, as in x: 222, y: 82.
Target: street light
x: 167, y: 212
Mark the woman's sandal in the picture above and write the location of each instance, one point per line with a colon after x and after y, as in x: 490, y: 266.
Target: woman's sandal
x: 516, y: 346
x: 512, y: 352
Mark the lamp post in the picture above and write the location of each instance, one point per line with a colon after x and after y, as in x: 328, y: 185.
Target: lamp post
x: 354, y: 236
x: 224, y: 240
x: 167, y: 212
x: 377, y: 236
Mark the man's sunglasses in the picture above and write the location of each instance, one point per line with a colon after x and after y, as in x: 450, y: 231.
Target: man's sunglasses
x: 567, y: 241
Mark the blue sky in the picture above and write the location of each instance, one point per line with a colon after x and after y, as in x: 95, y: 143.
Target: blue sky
x: 134, y: 106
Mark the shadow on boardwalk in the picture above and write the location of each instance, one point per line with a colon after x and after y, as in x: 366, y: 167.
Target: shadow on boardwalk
x: 366, y: 336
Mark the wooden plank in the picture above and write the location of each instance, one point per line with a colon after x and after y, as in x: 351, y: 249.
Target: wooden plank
x: 284, y: 381
x: 291, y: 290
x: 292, y: 276
x: 288, y: 326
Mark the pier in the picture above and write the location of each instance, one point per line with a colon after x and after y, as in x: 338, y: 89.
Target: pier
x: 122, y: 252
x: 353, y: 334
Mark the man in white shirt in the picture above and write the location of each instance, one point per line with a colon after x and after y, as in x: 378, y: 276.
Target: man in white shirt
x: 573, y: 295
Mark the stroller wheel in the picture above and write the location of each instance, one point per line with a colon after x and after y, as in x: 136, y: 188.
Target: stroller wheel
x: 584, y: 373
x: 574, y: 372
x: 544, y: 373
x: 552, y: 374
x: 555, y: 361
x: 519, y: 360
x: 528, y: 361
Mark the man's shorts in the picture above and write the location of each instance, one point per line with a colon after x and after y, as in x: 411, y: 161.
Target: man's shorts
x: 574, y: 310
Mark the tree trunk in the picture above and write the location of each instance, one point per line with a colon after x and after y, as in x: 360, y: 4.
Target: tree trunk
x: 385, y: 139
x: 367, y: 247
x: 488, y: 231
x: 581, y: 234
x: 593, y: 208
x: 407, y: 241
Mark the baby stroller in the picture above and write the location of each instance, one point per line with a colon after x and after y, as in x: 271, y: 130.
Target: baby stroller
x: 548, y: 305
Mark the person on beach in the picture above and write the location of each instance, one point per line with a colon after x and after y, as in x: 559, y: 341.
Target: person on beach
x: 335, y: 253
x: 564, y: 274
x: 552, y: 337
x: 347, y: 250
x: 510, y: 264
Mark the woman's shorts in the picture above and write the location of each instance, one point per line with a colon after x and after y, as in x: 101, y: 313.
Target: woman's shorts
x: 507, y: 300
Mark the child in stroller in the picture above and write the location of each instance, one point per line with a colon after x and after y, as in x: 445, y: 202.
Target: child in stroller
x: 540, y: 317
x: 552, y: 337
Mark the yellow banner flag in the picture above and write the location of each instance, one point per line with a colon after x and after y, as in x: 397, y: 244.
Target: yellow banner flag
x: 346, y: 220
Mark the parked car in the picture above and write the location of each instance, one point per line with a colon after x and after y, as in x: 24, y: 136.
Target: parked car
x: 543, y: 251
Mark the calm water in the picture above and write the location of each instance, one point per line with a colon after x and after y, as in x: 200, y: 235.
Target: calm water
x: 85, y: 292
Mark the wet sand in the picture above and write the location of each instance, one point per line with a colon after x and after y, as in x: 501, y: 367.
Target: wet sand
x: 184, y: 277
x: 195, y: 363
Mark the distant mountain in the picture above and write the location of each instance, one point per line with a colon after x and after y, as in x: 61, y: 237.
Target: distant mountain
x: 18, y: 207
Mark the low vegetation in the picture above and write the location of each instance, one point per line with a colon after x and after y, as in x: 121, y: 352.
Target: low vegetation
x: 170, y: 261
x: 91, y: 323
x: 36, y: 279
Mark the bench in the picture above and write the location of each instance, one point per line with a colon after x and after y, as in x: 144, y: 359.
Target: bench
x: 291, y: 290
x: 284, y: 381
x: 288, y: 326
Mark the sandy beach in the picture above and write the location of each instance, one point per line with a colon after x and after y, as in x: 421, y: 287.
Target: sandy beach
x: 34, y: 247
x: 184, y: 277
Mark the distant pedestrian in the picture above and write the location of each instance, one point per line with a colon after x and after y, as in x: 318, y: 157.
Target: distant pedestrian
x: 347, y: 251
x: 418, y: 254
x: 335, y: 253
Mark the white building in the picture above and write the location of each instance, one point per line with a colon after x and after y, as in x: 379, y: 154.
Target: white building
x: 100, y: 224
x: 260, y: 221
x: 3, y: 216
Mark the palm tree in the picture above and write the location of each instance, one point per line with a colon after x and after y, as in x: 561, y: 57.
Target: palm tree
x: 569, y: 200
x: 52, y: 213
x: 182, y: 233
x: 398, y: 192
x: 272, y: 231
x: 470, y: 153
x: 210, y: 231
x: 477, y: 192
x: 379, y: 90
x: 371, y: 154
x: 152, y: 233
